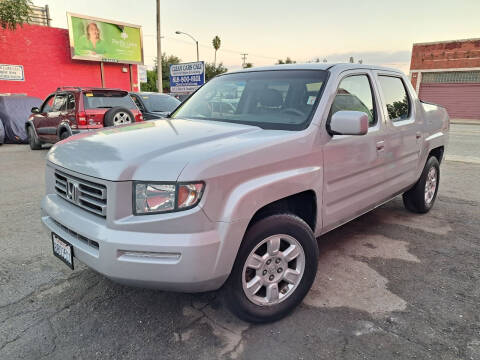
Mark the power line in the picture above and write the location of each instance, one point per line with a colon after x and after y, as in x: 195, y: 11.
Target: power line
x: 221, y: 49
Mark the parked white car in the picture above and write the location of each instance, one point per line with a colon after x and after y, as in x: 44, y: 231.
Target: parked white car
x: 236, y: 195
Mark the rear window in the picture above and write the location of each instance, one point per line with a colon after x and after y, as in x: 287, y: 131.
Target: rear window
x: 107, y: 99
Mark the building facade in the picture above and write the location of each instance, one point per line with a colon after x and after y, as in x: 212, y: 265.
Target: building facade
x: 43, y: 55
x: 448, y: 73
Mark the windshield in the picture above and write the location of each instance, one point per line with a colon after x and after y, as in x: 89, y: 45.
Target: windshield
x: 107, y: 99
x: 278, y: 99
x: 162, y: 103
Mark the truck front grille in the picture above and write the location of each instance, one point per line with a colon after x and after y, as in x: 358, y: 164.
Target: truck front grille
x: 83, y: 193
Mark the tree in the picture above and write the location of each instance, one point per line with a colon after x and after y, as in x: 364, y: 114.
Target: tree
x: 248, y: 65
x: 286, y: 61
x: 216, y: 45
x: 211, y: 70
x: 14, y: 12
x: 151, y: 84
x: 398, y: 109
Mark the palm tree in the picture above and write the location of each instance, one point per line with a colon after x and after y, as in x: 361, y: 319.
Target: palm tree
x: 216, y: 45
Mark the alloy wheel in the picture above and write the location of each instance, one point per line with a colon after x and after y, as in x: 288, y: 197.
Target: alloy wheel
x: 121, y: 118
x: 273, y: 270
x: 430, y: 185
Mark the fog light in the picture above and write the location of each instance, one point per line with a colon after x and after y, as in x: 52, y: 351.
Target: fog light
x: 162, y: 257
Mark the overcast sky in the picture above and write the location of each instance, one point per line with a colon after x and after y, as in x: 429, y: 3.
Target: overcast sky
x: 378, y: 32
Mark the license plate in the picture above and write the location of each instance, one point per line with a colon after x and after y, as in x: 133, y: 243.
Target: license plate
x: 63, y: 250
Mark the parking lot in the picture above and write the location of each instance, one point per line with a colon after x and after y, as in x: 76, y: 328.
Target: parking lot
x: 390, y: 285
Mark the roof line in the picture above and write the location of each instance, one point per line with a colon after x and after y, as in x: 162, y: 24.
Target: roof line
x: 446, y: 41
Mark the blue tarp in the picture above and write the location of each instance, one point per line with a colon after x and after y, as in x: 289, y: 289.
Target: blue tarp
x: 2, y: 133
x: 14, y: 113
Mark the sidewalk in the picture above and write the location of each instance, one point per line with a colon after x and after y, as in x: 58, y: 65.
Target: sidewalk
x: 465, y: 121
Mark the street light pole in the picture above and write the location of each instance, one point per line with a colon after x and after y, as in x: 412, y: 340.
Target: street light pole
x: 196, y: 42
x: 159, y: 52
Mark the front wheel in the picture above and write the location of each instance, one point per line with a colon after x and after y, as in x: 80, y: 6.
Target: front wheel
x: 274, y: 269
x: 33, y: 141
x: 421, y: 197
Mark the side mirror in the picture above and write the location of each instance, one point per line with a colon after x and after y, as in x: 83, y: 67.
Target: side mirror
x: 349, y: 123
x: 35, y: 110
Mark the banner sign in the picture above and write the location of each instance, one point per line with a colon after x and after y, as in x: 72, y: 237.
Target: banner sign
x: 142, y: 74
x: 187, y: 77
x: 11, y: 72
x: 104, y: 40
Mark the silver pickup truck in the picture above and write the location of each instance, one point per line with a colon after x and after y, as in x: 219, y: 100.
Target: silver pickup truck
x: 233, y: 188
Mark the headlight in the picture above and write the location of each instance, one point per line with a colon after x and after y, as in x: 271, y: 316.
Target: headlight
x: 152, y: 198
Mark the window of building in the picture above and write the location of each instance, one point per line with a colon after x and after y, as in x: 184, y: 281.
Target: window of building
x: 451, y: 77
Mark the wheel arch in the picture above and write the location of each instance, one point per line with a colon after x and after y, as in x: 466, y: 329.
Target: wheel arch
x: 29, y: 124
x: 438, y: 153
x: 303, y: 204
x: 284, y: 192
x: 62, y: 128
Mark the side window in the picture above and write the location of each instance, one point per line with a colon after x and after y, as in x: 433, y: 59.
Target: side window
x: 60, y: 103
x: 48, y: 104
x: 396, y: 98
x: 355, y: 94
x: 70, y: 102
x: 137, y: 102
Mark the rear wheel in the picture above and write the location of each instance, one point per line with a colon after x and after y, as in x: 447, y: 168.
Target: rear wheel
x: 64, y: 135
x: 421, y: 197
x: 274, y: 269
x: 118, y: 116
x: 33, y: 141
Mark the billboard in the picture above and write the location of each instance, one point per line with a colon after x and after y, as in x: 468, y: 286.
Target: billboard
x: 104, y: 40
x: 187, y: 77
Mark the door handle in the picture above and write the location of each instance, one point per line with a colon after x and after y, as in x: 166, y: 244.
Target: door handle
x: 380, y: 145
x: 418, y: 135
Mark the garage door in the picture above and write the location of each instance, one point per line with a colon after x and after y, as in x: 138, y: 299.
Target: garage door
x: 458, y: 92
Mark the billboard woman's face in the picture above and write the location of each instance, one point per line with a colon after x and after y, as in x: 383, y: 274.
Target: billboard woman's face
x: 93, y: 32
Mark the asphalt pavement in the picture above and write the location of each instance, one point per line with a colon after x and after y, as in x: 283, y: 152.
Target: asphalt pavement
x: 390, y: 285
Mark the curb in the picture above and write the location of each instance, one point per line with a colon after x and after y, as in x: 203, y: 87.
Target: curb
x: 465, y: 121
x: 463, y: 159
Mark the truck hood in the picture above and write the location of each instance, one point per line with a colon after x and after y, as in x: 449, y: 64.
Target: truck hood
x: 149, y: 150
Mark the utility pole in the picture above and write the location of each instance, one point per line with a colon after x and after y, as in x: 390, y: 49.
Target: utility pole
x: 159, y: 51
x: 244, y: 57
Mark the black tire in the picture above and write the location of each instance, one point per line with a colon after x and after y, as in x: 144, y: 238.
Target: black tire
x: 414, y: 199
x: 108, y: 119
x: 235, y: 296
x: 64, y: 134
x: 33, y: 141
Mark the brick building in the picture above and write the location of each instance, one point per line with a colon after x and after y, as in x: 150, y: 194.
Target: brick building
x: 44, y: 53
x: 448, y: 73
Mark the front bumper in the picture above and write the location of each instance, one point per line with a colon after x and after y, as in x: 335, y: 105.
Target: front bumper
x: 187, y: 262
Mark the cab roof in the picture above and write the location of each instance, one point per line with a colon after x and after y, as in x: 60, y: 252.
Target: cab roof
x: 318, y: 66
